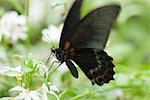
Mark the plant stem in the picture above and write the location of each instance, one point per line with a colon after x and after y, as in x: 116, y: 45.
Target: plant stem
x: 19, y: 80
x: 27, y: 24
x: 78, y: 97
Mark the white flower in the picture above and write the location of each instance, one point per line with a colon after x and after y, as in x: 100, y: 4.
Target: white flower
x: 50, y: 89
x: 13, y: 72
x: 117, y: 94
x: 38, y: 66
x: 13, y: 26
x: 52, y: 33
x: 43, y: 70
x: 7, y: 98
x: 25, y: 94
x: 57, y: 10
x: 54, y: 3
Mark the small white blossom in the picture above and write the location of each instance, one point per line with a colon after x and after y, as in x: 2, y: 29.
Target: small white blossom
x: 38, y: 66
x: 13, y: 72
x: 52, y: 33
x: 57, y: 9
x: 13, y: 26
x: 17, y: 89
x: 43, y: 70
x: 25, y: 94
x: 54, y: 88
x: 7, y: 98
x: 54, y: 3
x: 50, y: 89
x: 117, y: 94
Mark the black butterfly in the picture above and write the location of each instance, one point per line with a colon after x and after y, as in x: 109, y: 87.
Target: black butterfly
x: 83, y: 41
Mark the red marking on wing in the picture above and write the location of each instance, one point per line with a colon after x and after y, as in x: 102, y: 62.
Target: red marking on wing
x: 68, y: 49
x: 67, y: 45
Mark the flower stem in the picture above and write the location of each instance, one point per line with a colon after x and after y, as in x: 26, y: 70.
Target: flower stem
x: 80, y: 96
x: 19, y: 80
x: 27, y: 24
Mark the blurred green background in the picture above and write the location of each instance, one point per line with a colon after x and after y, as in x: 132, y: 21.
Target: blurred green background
x: 128, y: 44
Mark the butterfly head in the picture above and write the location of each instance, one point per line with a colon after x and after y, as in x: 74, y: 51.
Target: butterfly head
x: 59, y: 54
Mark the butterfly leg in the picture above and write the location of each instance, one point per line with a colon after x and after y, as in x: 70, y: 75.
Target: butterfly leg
x: 47, y: 59
x: 55, y: 68
x: 53, y: 64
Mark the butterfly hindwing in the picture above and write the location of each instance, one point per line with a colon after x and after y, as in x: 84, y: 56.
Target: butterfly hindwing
x: 95, y: 64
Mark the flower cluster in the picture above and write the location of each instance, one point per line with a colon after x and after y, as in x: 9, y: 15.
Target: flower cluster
x: 11, y: 72
x: 39, y: 94
x: 21, y: 92
x: 13, y: 27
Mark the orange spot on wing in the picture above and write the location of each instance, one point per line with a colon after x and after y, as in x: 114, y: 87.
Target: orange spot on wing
x: 67, y: 45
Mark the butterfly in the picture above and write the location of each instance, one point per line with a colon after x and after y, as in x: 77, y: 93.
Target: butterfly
x: 83, y: 40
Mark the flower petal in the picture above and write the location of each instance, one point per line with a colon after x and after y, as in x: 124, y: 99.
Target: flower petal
x: 17, y: 89
x: 54, y: 88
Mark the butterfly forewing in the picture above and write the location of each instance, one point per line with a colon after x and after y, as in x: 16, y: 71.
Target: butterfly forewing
x: 93, y: 30
x: 72, y: 20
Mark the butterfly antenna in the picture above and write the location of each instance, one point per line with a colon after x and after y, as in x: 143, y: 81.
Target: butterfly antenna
x: 50, y: 41
x: 47, y: 37
x: 52, y: 64
x: 49, y: 58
